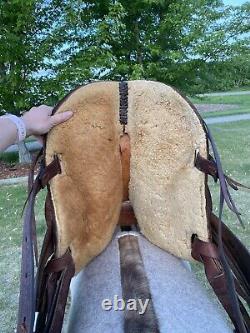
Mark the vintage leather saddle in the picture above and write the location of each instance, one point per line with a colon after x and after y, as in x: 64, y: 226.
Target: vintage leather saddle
x: 133, y: 153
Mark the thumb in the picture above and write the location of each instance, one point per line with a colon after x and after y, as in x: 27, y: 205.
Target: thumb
x: 60, y: 118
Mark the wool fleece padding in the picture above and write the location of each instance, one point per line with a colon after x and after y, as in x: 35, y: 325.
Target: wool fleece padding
x: 167, y: 192
x: 87, y: 195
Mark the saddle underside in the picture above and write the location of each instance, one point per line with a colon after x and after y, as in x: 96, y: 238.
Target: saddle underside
x: 166, y: 190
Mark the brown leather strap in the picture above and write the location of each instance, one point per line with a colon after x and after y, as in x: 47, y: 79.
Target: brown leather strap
x: 26, y: 312
x: 208, y: 254
x: 60, y: 272
x: 237, y: 254
x: 48, y: 248
x: 54, y: 274
x: 127, y: 215
x: 125, y: 161
x: 208, y: 166
x: 50, y: 171
x: 26, y: 298
x: 57, y: 276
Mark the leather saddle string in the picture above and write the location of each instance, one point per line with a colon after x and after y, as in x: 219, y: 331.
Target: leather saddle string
x: 54, y: 274
x: 208, y: 254
x: 237, y: 254
x: 26, y: 312
x: 225, y: 196
x: 27, y: 298
x: 209, y: 166
x: 48, y: 249
x: 60, y: 272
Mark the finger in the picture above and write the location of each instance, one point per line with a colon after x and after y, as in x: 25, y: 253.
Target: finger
x: 45, y: 108
x: 50, y: 109
x: 60, y: 118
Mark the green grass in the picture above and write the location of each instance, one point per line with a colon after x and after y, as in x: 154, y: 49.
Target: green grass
x: 243, y: 102
x: 11, y: 158
x: 245, y: 88
x: 11, y: 203
x: 232, y: 141
x: 233, y: 144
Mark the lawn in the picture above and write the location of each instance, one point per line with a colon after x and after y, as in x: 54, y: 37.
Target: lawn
x: 233, y: 143
x: 11, y: 204
x: 243, y: 102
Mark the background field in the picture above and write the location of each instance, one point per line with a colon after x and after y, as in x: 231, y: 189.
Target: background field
x: 242, y: 102
x: 233, y: 142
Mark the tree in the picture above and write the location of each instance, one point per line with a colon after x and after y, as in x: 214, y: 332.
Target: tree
x: 26, y: 40
x: 47, y: 47
x: 176, y: 42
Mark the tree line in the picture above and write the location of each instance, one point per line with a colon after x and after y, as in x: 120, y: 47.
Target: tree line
x: 47, y: 47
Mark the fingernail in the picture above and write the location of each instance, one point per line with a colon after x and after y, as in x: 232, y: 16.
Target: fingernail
x: 68, y: 113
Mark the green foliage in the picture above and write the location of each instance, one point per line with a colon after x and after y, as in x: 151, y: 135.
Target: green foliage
x: 28, y: 36
x: 11, y: 158
x: 47, y: 47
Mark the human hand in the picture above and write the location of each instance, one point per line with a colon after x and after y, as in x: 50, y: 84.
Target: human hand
x: 38, y: 120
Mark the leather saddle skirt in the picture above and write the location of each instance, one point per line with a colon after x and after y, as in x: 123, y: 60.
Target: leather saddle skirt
x: 165, y: 188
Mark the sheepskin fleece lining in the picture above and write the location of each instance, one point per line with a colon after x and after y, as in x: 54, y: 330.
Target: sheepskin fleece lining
x: 87, y: 195
x: 166, y: 191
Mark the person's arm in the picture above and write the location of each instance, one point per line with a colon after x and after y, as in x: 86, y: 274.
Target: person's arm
x: 8, y: 133
x: 37, y: 121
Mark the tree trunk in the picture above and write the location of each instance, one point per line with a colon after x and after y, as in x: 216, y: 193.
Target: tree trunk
x: 24, y: 154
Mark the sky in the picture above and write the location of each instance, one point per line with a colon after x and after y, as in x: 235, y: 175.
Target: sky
x: 234, y: 2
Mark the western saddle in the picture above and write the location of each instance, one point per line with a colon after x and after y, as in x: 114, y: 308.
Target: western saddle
x: 134, y: 152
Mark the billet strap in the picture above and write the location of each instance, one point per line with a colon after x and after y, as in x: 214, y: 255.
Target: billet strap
x: 26, y: 312
x: 208, y: 254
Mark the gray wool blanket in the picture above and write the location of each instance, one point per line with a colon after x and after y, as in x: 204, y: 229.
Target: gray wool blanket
x: 181, y: 303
